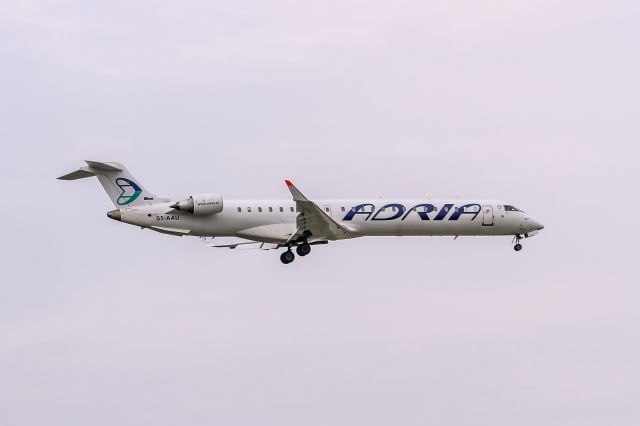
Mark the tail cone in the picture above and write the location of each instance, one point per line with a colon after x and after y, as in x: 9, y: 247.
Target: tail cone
x: 115, y: 215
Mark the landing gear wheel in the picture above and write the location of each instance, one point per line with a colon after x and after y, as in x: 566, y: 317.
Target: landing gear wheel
x: 287, y: 257
x: 303, y: 249
x: 517, y: 247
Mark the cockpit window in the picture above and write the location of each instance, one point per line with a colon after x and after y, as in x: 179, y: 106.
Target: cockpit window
x: 512, y: 209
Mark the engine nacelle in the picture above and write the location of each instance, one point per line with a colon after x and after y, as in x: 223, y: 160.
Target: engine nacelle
x: 200, y: 204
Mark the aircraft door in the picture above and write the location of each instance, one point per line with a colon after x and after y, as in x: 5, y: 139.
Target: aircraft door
x: 487, y: 215
x: 327, y: 210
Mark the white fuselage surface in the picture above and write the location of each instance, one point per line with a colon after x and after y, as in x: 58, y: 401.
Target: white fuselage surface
x: 273, y: 221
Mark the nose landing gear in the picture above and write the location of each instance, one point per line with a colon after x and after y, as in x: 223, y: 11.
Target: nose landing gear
x: 518, y: 246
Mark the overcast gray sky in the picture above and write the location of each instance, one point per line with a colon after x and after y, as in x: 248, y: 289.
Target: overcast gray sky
x: 535, y: 102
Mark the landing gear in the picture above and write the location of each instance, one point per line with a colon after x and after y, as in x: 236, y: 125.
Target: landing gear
x: 287, y: 257
x: 303, y: 249
x: 518, y: 246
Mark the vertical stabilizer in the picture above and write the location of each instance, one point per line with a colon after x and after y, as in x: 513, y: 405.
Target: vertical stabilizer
x: 123, y: 189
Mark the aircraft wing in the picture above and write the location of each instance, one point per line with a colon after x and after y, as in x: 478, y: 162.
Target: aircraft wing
x: 248, y: 245
x: 239, y: 244
x: 313, y: 223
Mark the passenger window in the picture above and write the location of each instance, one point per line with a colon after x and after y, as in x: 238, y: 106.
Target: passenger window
x: 270, y: 209
x: 326, y: 209
x: 239, y: 209
x: 249, y: 209
x: 259, y: 209
x: 281, y: 209
x: 343, y: 208
x: 291, y: 209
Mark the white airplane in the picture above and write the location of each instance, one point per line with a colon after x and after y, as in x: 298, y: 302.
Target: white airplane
x: 299, y: 222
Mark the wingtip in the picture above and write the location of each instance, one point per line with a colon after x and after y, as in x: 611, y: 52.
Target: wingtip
x: 288, y: 182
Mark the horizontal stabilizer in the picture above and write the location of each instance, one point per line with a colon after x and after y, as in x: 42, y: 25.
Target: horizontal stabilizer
x: 78, y: 174
x: 105, y: 167
x: 93, y: 168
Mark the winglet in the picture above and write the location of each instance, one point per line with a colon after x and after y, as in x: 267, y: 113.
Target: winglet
x: 295, y: 192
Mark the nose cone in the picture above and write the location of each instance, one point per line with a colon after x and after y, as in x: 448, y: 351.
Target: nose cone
x: 535, y: 225
x: 115, y: 215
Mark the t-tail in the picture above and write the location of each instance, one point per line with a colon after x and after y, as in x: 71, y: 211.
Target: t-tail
x: 123, y: 189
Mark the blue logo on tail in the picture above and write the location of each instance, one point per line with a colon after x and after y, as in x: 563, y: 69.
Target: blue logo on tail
x: 129, y: 191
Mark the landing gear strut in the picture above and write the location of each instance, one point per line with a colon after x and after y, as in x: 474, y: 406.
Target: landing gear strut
x: 287, y: 257
x: 518, y: 246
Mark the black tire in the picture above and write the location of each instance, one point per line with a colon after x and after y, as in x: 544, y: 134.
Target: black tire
x: 287, y: 257
x: 303, y: 249
x: 517, y: 247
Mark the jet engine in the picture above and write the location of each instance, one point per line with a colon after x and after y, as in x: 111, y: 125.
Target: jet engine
x: 200, y: 204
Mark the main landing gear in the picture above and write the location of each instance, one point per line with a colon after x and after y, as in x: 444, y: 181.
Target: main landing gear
x: 302, y: 249
x: 518, y: 246
x: 287, y: 257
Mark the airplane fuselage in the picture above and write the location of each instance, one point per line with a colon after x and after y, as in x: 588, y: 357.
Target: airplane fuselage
x: 274, y: 220
x: 300, y: 222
